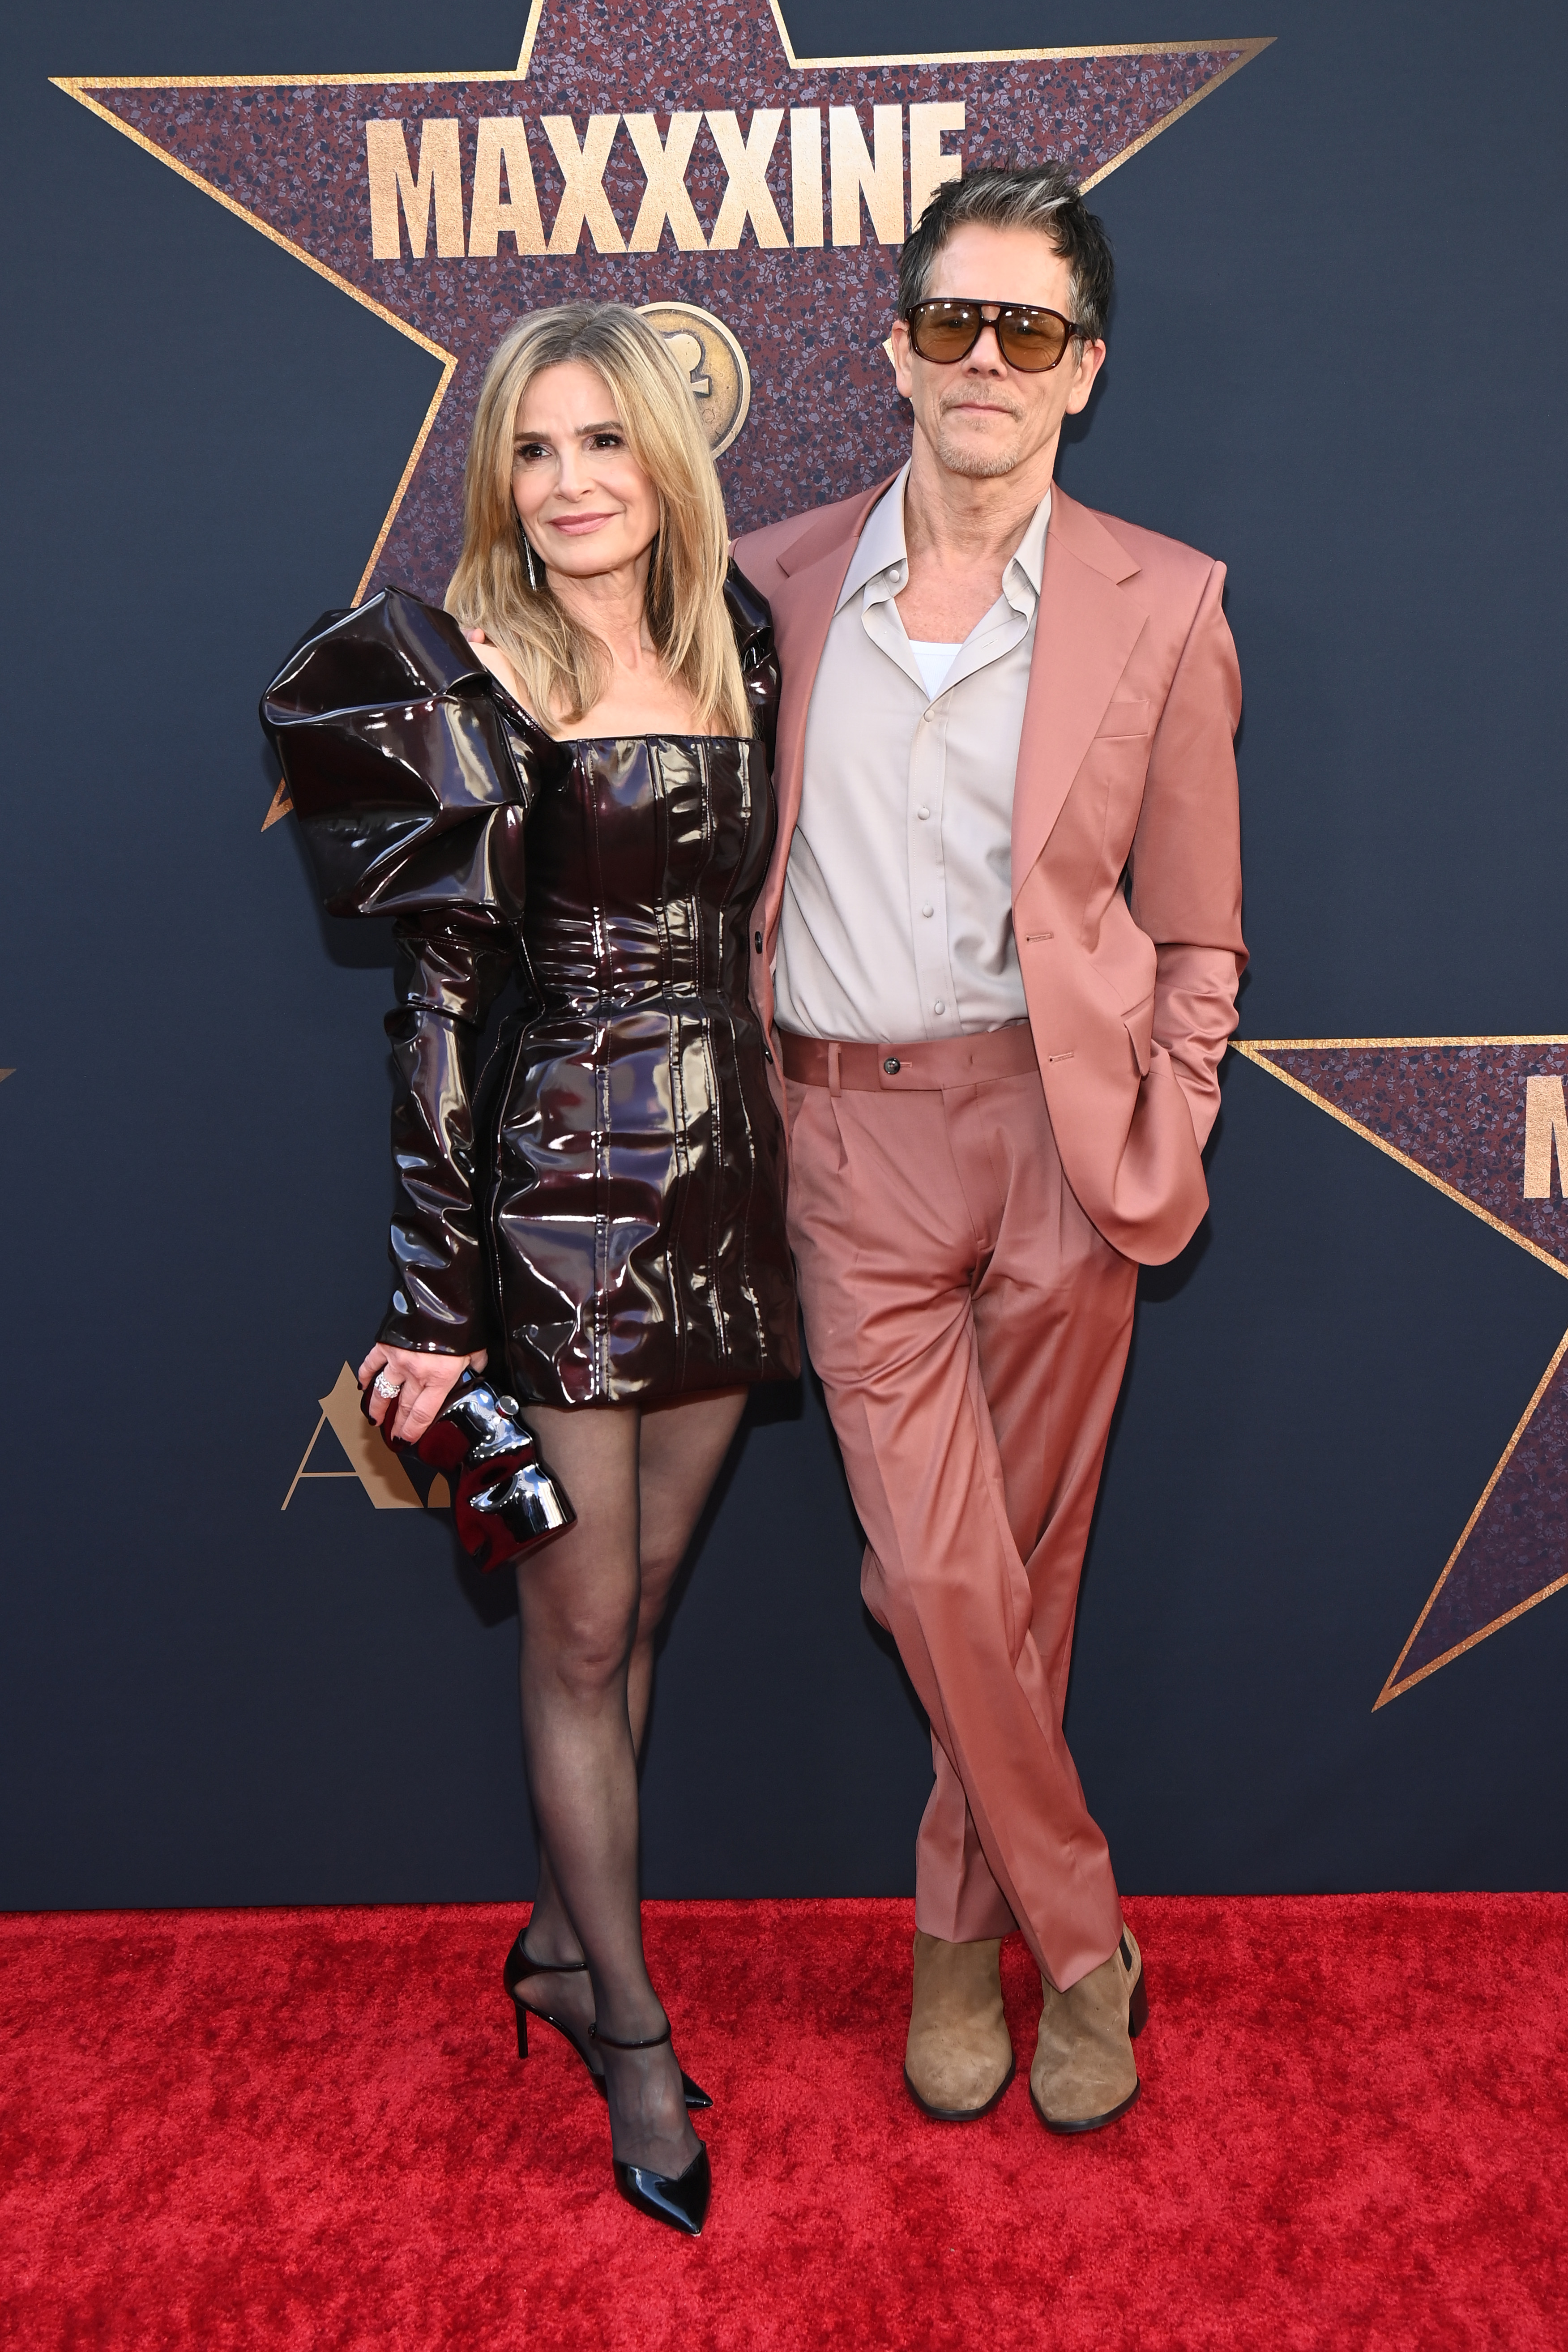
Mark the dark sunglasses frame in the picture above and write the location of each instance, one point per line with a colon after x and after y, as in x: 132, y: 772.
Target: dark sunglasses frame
x: 915, y: 319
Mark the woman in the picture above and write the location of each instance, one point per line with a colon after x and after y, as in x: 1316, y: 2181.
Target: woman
x: 610, y: 1209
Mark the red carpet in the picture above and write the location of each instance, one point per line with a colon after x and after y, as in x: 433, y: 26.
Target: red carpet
x: 252, y: 2129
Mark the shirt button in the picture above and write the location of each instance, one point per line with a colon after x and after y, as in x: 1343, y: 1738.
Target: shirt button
x: 922, y: 813
x: 938, y: 1006
x: 927, y: 910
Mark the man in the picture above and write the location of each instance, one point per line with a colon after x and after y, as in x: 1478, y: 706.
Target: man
x: 996, y: 958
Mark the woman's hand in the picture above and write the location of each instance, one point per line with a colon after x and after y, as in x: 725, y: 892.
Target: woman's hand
x: 423, y: 1381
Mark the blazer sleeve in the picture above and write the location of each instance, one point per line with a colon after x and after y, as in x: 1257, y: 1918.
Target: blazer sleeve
x: 1186, y: 859
x: 411, y: 789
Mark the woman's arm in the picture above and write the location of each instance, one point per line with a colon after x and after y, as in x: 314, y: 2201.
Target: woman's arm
x: 411, y: 803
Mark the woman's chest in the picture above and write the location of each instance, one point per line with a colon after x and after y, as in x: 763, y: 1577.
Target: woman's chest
x: 640, y: 820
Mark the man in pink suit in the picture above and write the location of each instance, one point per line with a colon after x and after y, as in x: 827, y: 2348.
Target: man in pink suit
x: 996, y: 960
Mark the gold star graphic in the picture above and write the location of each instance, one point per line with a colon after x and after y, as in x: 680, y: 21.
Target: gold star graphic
x: 1484, y: 1120
x: 611, y: 163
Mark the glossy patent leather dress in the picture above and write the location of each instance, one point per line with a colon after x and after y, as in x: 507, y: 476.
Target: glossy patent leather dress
x: 608, y: 1204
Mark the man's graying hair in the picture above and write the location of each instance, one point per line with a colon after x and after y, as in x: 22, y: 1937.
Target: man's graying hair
x: 1044, y: 196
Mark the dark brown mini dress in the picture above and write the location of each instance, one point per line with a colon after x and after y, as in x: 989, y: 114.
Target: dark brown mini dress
x: 605, y: 1203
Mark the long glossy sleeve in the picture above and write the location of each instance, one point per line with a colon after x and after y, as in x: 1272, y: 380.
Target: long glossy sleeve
x: 412, y: 795
x: 752, y: 622
x: 449, y: 969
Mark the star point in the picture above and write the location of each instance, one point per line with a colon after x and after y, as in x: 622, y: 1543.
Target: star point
x: 789, y: 235
x: 1481, y: 1119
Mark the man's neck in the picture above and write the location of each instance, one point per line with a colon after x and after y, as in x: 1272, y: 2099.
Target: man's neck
x: 971, y: 521
x: 960, y: 530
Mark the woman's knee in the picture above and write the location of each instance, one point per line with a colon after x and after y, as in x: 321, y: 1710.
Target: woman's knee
x: 584, y: 1645
x: 658, y: 1579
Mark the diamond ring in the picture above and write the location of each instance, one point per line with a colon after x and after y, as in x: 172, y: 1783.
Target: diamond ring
x: 383, y: 1387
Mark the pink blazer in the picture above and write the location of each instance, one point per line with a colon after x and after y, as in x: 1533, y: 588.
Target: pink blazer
x: 1126, y: 755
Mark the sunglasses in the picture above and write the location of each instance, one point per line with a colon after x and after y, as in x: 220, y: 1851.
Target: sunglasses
x: 1029, y: 338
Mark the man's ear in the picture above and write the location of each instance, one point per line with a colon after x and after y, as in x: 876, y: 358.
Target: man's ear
x: 898, y: 351
x: 1091, y: 358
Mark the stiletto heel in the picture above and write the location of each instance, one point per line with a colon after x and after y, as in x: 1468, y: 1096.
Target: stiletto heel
x: 679, y: 2198
x: 517, y: 1970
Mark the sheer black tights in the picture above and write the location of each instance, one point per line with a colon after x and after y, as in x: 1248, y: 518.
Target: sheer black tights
x: 590, y: 1603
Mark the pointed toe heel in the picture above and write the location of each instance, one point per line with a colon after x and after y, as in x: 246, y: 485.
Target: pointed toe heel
x: 681, y: 2200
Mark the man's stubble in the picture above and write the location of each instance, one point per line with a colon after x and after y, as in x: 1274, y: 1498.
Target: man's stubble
x: 957, y: 455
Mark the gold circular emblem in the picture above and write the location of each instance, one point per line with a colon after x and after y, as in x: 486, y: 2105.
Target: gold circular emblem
x: 713, y: 363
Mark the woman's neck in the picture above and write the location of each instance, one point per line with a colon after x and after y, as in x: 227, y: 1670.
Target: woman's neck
x: 613, y: 607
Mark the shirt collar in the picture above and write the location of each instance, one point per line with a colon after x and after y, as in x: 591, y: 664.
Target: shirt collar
x: 881, y: 546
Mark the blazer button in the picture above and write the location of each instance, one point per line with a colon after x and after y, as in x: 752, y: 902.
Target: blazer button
x: 757, y: 942
x: 891, y: 1065
x: 767, y: 1056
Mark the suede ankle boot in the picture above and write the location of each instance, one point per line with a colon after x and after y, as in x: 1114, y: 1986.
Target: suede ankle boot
x: 1084, y: 2073
x: 959, y: 2059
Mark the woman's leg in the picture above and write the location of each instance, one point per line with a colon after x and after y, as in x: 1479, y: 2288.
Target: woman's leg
x: 681, y: 1451
x: 581, y: 1602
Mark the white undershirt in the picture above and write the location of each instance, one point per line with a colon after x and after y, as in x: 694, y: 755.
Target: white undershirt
x: 934, y: 661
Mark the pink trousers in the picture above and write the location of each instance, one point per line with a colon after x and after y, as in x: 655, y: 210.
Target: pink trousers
x: 970, y: 1328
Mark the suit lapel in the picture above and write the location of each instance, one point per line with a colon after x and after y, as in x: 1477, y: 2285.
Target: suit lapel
x: 1087, y: 626
x: 813, y: 568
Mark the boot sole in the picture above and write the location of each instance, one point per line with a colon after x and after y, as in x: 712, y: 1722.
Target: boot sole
x: 1090, y: 2123
x: 961, y: 2114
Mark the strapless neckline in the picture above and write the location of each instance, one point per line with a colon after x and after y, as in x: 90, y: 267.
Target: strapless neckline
x: 576, y: 742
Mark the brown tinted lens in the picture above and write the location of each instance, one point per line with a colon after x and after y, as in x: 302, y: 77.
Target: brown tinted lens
x: 1032, y: 340
x: 943, y: 331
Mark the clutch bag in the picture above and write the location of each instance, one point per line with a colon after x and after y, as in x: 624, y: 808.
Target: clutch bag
x: 507, y: 1500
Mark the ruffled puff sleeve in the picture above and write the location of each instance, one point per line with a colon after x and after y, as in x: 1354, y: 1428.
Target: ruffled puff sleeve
x: 412, y: 794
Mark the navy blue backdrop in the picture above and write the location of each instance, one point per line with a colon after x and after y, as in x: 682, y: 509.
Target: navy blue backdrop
x: 1337, y: 357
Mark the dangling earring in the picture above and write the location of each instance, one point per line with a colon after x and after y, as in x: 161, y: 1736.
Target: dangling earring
x: 531, y: 563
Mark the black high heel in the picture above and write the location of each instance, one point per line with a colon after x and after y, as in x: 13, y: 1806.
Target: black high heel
x: 517, y: 1970
x: 679, y: 2198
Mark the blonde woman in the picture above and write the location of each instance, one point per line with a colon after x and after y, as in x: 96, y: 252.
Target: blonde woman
x: 565, y: 777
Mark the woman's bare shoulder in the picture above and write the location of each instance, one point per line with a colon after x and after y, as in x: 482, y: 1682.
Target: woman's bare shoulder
x: 499, y: 667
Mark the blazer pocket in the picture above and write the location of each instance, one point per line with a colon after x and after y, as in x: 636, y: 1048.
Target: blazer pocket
x: 1139, y: 1022
x: 1123, y: 719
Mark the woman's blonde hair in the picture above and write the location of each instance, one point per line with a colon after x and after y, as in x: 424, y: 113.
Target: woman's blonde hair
x: 564, y: 668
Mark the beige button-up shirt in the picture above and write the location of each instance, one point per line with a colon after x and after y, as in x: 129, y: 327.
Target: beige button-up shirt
x: 897, y: 922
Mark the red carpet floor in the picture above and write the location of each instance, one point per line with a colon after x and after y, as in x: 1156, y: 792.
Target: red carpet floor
x: 309, y: 2129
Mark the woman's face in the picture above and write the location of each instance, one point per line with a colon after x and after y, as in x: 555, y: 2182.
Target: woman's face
x: 581, y: 496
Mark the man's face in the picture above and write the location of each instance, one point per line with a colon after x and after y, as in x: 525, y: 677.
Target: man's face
x: 979, y: 416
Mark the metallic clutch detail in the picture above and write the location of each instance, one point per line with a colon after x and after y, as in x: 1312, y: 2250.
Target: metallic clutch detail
x: 508, y: 1498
